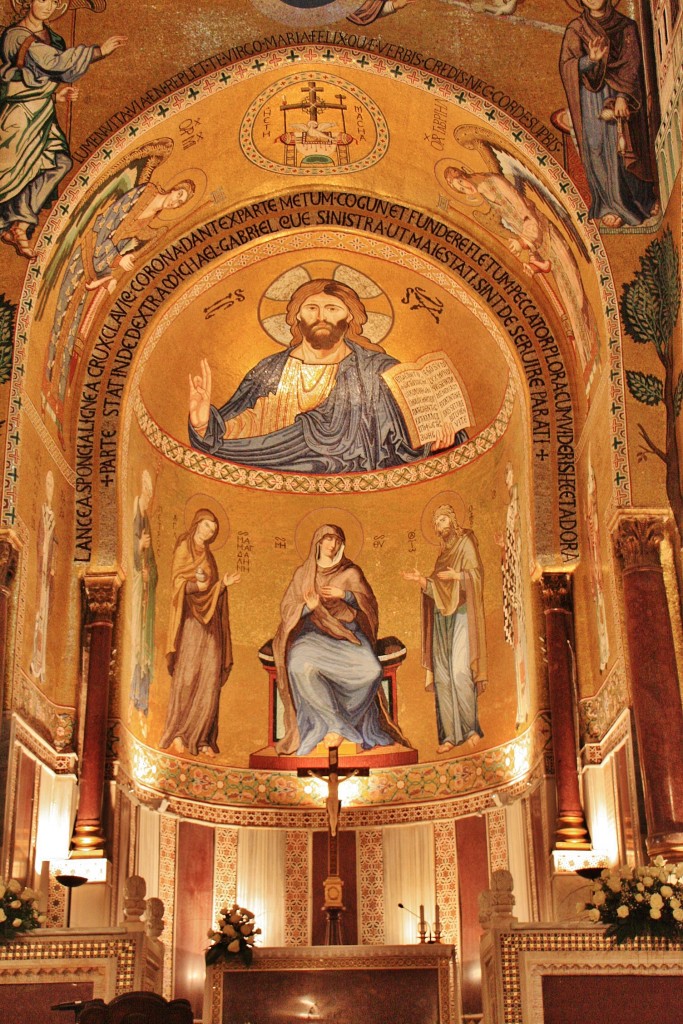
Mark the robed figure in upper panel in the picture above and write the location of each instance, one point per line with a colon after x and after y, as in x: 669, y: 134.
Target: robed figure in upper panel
x: 37, y: 70
x: 601, y: 65
x: 518, y: 207
x: 321, y: 406
x: 110, y: 229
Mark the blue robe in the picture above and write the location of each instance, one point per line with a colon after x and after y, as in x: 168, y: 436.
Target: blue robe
x: 359, y: 426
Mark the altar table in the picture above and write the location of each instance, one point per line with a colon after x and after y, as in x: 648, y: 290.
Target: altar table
x: 336, y: 985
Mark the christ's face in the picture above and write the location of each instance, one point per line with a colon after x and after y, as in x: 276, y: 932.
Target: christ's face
x: 323, y: 319
x: 329, y: 545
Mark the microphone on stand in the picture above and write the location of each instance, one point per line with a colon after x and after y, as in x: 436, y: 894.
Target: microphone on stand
x: 409, y: 911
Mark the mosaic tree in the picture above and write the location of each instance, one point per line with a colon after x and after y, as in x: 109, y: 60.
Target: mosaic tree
x: 649, y: 309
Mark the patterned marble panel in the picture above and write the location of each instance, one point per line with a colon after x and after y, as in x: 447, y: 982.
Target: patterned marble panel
x: 297, y: 894
x: 168, y: 843
x: 496, y: 830
x: 446, y: 873
x: 371, y: 886
x: 224, y: 869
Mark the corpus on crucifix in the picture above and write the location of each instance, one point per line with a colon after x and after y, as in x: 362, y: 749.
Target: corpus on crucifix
x: 333, y: 886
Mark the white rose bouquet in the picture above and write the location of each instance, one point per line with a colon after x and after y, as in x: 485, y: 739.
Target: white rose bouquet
x: 639, y: 901
x: 234, y: 936
x: 18, y: 910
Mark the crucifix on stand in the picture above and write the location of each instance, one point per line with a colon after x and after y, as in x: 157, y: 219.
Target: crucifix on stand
x: 333, y: 886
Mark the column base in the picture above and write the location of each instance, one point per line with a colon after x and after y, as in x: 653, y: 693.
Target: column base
x: 88, y: 841
x: 571, y: 833
x: 668, y: 845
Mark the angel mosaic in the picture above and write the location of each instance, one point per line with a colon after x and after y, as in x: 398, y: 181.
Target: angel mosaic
x: 106, y: 236
x: 513, y: 207
x: 37, y: 70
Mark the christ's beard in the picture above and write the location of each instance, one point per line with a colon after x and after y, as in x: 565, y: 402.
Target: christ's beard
x: 322, y: 335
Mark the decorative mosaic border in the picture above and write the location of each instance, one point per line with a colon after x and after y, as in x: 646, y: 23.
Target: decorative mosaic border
x: 35, y: 952
x: 50, y: 445
x: 269, y: 480
x: 590, y: 948
x: 39, y: 712
x: 433, y: 782
x: 536, y: 966
x: 331, y: 56
x: 620, y: 730
x: 251, y: 152
x: 63, y: 763
x: 598, y: 714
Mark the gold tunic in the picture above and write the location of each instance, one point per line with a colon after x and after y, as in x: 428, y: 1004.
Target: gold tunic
x: 302, y: 387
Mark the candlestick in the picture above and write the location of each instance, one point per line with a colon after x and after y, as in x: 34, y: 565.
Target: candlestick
x: 437, y: 924
x: 423, y: 923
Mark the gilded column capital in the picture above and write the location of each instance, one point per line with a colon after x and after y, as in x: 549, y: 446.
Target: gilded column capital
x: 556, y: 590
x: 637, y: 541
x: 10, y: 546
x: 101, y: 595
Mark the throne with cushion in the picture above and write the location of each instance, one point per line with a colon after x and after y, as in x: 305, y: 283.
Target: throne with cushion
x: 391, y: 653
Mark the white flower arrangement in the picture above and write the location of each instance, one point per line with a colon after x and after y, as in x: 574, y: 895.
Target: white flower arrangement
x: 639, y: 901
x: 18, y: 910
x: 234, y: 935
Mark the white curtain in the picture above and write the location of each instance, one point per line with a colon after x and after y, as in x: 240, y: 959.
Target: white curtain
x: 148, y: 846
x: 518, y: 859
x: 408, y: 879
x: 56, y: 805
x: 261, y: 881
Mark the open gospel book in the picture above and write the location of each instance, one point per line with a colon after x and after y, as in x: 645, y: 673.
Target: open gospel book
x: 429, y: 393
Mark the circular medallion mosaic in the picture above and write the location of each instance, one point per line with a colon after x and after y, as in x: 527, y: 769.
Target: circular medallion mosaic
x: 313, y: 124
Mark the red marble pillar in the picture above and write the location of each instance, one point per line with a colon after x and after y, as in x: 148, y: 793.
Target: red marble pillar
x: 101, y: 594
x: 10, y: 546
x: 571, y: 832
x: 655, y: 692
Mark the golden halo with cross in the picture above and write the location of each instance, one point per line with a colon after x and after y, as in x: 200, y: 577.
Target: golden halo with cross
x: 273, y: 305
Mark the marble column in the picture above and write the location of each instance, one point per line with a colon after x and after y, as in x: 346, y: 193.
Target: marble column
x: 101, y: 595
x: 655, y: 691
x: 10, y: 547
x: 571, y: 832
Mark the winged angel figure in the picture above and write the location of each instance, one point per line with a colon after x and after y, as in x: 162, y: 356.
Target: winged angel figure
x: 108, y: 231
x: 514, y: 199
